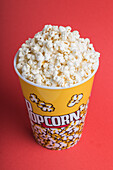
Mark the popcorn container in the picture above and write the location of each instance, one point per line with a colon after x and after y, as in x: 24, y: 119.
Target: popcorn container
x: 57, y: 114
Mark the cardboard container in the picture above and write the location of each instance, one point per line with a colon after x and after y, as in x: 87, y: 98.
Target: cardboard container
x: 57, y: 114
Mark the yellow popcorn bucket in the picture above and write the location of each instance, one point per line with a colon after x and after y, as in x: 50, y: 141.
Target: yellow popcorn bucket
x: 57, y: 114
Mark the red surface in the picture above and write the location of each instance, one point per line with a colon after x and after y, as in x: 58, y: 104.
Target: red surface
x: 21, y: 20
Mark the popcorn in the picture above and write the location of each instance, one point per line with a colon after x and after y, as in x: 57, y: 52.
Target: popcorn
x: 39, y: 56
x: 57, y: 57
x: 75, y: 99
x: 19, y: 65
x: 61, y: 29
x: 83, y: 108
x: 46, y: 107
x: 76, y: 34
x: 33, y: 98
x: 58, y: 139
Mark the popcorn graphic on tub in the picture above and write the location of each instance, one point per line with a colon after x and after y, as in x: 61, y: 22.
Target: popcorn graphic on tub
x: 46, y: 107
x: 56, y: 132
x: 83, y: 109
x: 60, y: 138
x: 75, y: 99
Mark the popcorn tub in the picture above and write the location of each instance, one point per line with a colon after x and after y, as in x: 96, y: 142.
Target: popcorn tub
x: 56, y: 114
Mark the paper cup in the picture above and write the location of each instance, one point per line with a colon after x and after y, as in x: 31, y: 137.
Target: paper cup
x: 57, y: 114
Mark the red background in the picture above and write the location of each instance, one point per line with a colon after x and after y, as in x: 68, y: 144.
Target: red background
x: 22, y: 19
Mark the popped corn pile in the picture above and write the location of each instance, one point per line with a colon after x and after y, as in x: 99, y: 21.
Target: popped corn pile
x: 57, y: 57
